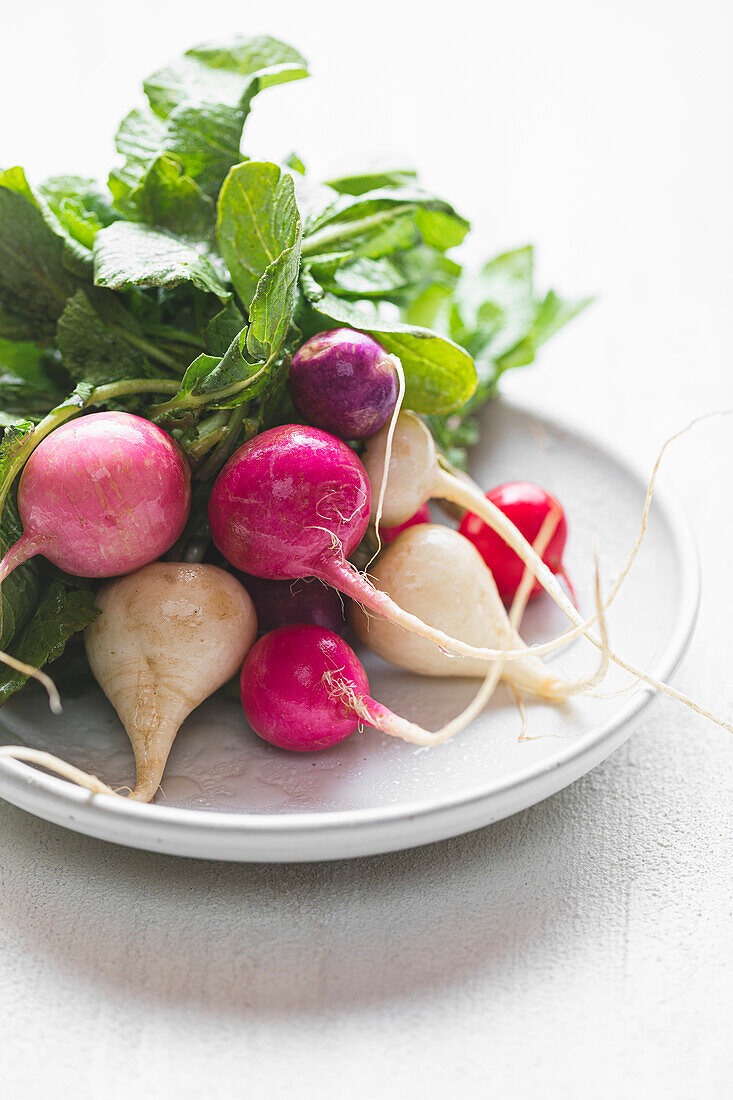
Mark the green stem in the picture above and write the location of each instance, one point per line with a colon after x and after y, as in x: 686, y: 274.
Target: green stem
x: 174, y: 336
x: 197, y: 400
x: 324, y: 240
x: 149, y: 349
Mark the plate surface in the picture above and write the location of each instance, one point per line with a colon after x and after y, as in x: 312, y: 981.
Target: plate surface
x: 227, y: 795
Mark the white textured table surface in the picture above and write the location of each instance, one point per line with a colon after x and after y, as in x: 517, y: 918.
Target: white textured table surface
x: 583, y: 947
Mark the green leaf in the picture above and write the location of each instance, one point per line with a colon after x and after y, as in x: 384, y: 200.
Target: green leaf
x: 80, y: 205
x: 171, y: 200
x: 440, y: 376
x: 27, y: 383
x: 21, y: 589
x: 257, y: 220
x: 361, y: 182
x: 198, y: 107
x: 34, y: 280
x: 382, y: 222
x: 272, y: 306
x: 92, y: 349
x: 128, y: 255
x: 223, y: 327
x: 62, y: 611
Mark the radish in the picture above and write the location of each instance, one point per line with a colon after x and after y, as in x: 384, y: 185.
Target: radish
x: 389, y: 534
x: 344, y: 382
x: 303, y: 688
x: 294, y: 502
x: 281, y: 603
x: 527, y: 506
x: 100, y: 496
x: 434, y: 572
x: 168, y: 637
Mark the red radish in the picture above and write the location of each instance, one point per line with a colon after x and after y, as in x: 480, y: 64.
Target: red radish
x: 527, y: 506
x: 344, y: 382
x: 389, y: 534
x: 101, y: 496
x: 303, y: 688
x: 281, y: 603
x: 294, y: 502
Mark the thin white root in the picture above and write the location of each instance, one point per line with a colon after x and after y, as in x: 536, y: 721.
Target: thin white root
x: 388, y: 454
x: 54, y: 699
x: 60, y: 767
x: 519, y: 700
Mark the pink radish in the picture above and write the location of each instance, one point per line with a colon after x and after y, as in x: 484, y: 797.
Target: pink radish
x: 303, y: 688
x: 101, y: 495
x: 294, y: 502
x: 527, y: 506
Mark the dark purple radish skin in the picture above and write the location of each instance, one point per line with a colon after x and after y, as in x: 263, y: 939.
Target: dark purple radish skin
x: 282, y: 603
x: 101, y: 496
x: 303, y: 688
x: 344, y: 382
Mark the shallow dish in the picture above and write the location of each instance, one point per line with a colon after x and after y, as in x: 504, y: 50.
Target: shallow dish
x: 227, y: 795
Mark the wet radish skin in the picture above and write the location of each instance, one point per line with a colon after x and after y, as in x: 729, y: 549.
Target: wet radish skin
x: 289, y: 500
x: 344, y: 382
x: 104, y: 495
x: 527, y: 506
x: 284, y: 696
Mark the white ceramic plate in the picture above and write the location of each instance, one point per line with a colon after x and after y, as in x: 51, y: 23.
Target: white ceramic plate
x: 228, y: 795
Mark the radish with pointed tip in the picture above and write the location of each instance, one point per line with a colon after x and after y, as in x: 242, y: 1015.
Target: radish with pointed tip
x: 168, y: 637
x: 527, y: 506
x: 304, y: 689
x: 436, y: 573
x: 344, y: 382
x: 101, y: 495
x: 294, y: 502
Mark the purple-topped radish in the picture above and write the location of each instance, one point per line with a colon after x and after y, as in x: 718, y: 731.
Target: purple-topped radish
x: 282, y: 603
x: 101, y: 496
x: 303, y: 688
x: 344, y: 382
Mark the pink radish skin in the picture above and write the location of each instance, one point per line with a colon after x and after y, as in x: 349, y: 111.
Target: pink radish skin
x: 295, y: 502
x: 303, y: 688
x: 101, y: 496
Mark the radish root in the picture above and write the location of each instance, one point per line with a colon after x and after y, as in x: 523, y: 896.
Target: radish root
x: 388, y: 453
x: 60, y: 767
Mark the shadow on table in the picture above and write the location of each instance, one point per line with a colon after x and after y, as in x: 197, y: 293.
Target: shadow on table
x: 246, y: 939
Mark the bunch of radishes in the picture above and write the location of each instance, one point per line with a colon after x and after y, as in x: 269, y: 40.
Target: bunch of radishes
x: 108, y: 493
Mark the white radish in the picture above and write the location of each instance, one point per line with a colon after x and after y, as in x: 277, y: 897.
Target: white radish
x: 435, y: 573
x: 168, y: 637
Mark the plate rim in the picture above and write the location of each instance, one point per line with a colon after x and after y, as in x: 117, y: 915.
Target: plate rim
x: 58, y: 800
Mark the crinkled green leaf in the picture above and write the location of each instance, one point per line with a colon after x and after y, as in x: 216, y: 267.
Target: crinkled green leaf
x: 198, y: 107
x: 80, y: 205
x: 34, y: 280
x: 62, y: 611
x: 96, y: 350
x: 257, y: 220
x: 168, y: 198
x: 128, y: 255
x: 19, y: 591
